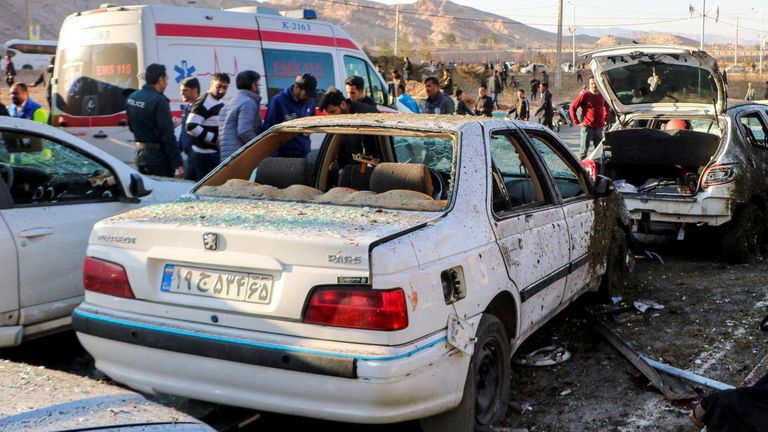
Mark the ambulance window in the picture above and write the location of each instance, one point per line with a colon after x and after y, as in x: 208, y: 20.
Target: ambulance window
x: 373, y: 85
x: 282, y: 67
x: 96, y: 79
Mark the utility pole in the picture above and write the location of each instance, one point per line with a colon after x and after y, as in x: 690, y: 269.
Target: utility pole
x: 397, y: 31
x: 762, y: 39
x: 736, y: 46
x: 558, y: 62
x: 573, y: 36
x: 703, y: 19
x: 29, y: 21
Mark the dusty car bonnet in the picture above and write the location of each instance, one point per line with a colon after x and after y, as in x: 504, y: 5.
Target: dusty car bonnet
x: 657, y: 79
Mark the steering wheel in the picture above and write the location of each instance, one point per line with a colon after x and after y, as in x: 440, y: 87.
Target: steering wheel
x: 7, y: 172
x: 438, y: 184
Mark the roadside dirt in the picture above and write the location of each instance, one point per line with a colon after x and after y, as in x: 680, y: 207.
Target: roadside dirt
x: 709, y: 326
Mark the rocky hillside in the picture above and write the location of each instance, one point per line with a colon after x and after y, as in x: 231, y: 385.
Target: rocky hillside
x: 431, y: 23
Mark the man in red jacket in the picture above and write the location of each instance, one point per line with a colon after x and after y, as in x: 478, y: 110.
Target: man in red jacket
x: 594, y: 112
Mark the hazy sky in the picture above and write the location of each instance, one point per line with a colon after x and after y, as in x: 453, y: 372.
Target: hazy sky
x: 669, y: 16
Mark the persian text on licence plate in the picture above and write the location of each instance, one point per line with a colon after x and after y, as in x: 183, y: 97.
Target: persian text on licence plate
x: 246, y: 287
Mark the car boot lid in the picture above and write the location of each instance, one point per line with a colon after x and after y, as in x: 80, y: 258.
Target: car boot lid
x: 655, y: 79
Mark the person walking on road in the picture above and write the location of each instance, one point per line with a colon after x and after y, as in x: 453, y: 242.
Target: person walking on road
x: 495, y: 87
x: 241, y: 116
x: 437, y: 102
x: 296, y: 101
x: 22, y: 106
x: 594, y: 112
x: 407, y: 68
x: 484, y: 103
x: 545, y: 109
x: 447, y: 84
x: 521, y: 111
x: 203, y: 124
x: 149, y: 118
x: 10, y: 71
x: 750, y: 96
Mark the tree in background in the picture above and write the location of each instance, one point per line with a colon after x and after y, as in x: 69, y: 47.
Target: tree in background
x: 425, y: 52
x: 385, y: 49
x: 449, y: 39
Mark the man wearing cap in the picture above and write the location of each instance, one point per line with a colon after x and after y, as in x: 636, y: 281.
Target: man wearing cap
x: 149, y: 118
x: 296, y: 101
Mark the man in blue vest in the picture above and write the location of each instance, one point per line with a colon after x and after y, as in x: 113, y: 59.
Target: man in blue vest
x: 24, y: 107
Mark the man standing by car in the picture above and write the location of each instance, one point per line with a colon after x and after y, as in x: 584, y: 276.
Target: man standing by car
x: 23, y: 106
x: 484, y: 103
x: 296, y: 101
x: 203, y: 125
x: 10, y: 71
x: 594, y: 111
x: 404, y: 98
x: 189, y: 90
x: 546, y: 105
x: 521, y: 110
x: 241, y: 116
x: 437, y: 102
x: 447, y: 85
x: 355, y: 87
x: 333, y: 103
x: 149, y: 118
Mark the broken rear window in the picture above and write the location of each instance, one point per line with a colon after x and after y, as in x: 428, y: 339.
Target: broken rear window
x: 381, y: 168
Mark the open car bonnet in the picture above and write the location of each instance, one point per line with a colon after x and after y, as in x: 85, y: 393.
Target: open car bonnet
x: 656, y: 79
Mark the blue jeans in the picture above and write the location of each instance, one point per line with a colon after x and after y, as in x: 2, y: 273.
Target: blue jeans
x: 200, y: 164
x: 589, y: 134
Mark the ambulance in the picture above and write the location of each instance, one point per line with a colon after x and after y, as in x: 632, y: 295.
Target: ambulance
x: 102, y: 54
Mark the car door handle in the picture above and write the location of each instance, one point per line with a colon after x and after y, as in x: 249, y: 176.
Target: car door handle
x: 36, y: 232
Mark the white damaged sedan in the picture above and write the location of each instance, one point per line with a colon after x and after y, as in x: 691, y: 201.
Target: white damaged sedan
x: 390, y: 278
x: 53, y: 188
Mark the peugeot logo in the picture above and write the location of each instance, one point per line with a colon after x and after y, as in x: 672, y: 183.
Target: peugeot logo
x: 211, y: 241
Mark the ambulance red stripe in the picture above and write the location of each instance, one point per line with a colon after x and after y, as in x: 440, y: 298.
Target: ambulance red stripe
x: 217, y: 32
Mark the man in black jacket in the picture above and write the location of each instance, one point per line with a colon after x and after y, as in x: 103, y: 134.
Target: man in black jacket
x: 149, y: 118
x: 484, y: 104
x: 546, y: 106
x: 355, y: 87
x: 461, y: 105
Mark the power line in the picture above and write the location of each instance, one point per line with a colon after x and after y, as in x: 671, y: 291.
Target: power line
x: 500, y: 20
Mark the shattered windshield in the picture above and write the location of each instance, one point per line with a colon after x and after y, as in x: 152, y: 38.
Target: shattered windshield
x: 650, y: 82
x: 377, y: 168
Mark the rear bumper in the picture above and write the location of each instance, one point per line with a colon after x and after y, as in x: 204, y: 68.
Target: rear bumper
x: 293, y: 377
x: 712, y: 211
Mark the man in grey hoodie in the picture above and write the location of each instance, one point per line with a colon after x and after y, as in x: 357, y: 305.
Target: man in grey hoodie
x: 240, y: 118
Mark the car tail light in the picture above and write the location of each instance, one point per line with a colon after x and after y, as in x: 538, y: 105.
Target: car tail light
x: 718, y: 174
x: 358, y: 308
x: 591, y: 167
x: 106, y: 278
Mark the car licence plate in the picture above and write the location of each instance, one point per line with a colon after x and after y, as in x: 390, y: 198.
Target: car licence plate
x: 245, y: 287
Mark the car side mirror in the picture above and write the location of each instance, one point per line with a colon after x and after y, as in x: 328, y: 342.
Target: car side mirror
x: 603, y: 186
x: 137, y: 187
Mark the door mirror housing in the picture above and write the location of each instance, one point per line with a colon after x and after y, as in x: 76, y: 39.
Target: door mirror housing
x: 137, y: 188
x: 603, y: 186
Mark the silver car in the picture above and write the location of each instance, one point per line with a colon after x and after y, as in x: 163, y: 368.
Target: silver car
x: 682, y: 160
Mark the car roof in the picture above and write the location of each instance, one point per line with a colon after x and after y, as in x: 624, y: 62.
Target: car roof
x: 425, y: 122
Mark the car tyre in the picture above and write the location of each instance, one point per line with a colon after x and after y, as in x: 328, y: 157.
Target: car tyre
x: 486, y: 389
x: 742, y: 237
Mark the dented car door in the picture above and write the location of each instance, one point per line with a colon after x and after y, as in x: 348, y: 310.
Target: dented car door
x: 530, y: 227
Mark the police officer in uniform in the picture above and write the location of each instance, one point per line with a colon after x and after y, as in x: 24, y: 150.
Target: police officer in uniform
x: 149, y: 118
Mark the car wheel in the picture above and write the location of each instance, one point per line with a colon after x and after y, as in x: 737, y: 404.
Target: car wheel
x: 486, y: 389
x: 742, y: 237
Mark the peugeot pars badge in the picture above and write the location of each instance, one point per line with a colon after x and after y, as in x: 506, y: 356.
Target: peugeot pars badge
x: 211, y: 241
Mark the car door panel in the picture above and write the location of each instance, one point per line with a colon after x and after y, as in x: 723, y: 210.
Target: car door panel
x: 530, y: 228
x: 9, y: 282
x: 50, y: 262
x: 577, y: 204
